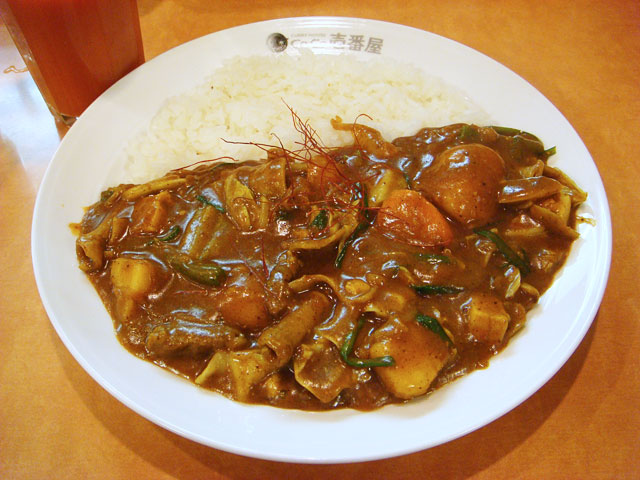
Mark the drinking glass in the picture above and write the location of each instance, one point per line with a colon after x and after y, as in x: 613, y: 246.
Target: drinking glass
x: 74, y: 49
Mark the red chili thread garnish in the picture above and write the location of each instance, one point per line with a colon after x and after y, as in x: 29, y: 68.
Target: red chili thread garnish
x: 337, y: 196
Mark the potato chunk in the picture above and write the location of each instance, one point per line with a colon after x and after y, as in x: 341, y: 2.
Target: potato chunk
x: 247, y: 211
x: 386, y: 183
x: 487, y: 319
x: 464, y: 182
x: 244, y: 306
x: 419, y: 356
x: 132, y: 279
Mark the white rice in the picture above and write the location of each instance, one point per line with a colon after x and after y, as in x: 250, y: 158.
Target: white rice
x: 246, y: 100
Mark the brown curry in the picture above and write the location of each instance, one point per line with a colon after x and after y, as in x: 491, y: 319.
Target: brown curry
x: 334, y: 277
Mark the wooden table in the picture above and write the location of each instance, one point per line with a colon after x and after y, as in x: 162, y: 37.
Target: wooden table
x: 56, y: 422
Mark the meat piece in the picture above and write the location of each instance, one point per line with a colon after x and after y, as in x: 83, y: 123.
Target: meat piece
x: 205, y: 234
x: 283, y: 337
x: 275, y: 348
x: 150, y: 213
x: 532, y: 188
x: 278, y: 291
x: 319, y: 368
x: 192, y: 339
x: 367, y: 138
x: 269, y: 179
x: 324, y: 171
x: 247, y: 212
x: 90, y: 246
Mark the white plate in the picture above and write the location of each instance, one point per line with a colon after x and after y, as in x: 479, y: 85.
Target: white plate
x: 77, y: 174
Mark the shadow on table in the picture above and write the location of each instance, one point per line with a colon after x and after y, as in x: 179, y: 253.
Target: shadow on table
x: 176, y: 455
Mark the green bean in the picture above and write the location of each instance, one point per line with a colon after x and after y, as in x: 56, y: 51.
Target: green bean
x: 433, y: 324
x: 436, y: 289
x: 106, y: 195
x: 171, y: 234
x: 365, y: 201
x: 347, y: 348
x: 386, y: 361
x: 320, y: 220
x: 206, y: 201
x: 468, y: 133
x: 511, y: 132
x: 519, y: 142
x: 362, y: 226
x: 206, y: 273
x: 511, y: 256
x: 407, y: 179
x: 343, y: 251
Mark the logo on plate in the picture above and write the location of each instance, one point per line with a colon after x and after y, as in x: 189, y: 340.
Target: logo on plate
x: 277, y: 42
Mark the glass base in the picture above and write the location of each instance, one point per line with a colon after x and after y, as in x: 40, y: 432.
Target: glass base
x: 67, y: 120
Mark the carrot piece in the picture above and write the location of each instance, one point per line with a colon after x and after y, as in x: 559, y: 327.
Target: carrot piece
x: 411, y: 218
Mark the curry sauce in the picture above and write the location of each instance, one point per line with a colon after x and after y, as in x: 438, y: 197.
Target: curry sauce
x: 324, y: 278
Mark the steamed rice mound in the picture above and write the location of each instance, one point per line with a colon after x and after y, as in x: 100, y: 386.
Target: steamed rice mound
x: 248, y: 100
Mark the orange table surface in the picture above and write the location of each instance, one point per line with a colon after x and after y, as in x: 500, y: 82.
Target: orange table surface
x: 584, y: 56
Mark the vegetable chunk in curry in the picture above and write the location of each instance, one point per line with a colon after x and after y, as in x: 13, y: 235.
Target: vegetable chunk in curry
x: 325, y: 278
